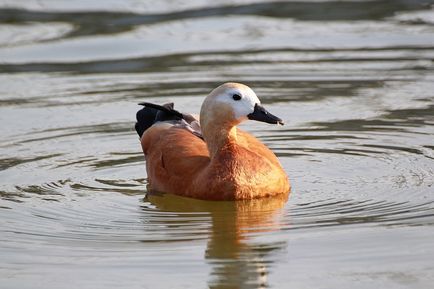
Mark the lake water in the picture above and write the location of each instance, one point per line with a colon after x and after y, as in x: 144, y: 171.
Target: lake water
x: 354, y: 82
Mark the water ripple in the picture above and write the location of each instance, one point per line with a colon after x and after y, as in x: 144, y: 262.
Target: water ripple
x: 354, y: 86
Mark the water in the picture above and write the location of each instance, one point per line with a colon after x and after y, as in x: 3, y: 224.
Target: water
x: 352, y: 80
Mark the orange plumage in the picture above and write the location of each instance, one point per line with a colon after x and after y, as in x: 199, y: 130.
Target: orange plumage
x: 228, y: 164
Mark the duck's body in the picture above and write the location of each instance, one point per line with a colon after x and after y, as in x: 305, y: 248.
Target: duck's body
x: 227, y: 164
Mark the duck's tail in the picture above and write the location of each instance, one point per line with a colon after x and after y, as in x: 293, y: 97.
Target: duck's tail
x: 151, y: 113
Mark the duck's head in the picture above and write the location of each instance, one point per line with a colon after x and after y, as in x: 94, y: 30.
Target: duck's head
x: 231, y: 103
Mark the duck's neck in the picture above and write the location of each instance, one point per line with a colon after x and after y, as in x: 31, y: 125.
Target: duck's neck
x: 217, y: 136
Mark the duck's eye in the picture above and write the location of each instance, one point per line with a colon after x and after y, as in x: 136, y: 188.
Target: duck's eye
x: 236, y: 96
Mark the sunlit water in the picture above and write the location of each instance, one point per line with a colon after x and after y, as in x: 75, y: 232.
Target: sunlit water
x: 354, y: 82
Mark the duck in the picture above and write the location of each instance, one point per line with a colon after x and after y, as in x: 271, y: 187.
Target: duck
x: 208, y: 157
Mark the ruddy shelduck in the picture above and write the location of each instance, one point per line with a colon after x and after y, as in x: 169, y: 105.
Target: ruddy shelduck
x: 211, y: 158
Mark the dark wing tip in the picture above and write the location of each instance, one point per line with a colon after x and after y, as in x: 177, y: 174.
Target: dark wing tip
x: 167, y: 108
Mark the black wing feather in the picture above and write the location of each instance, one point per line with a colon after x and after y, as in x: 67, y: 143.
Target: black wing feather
x: 151, y: 113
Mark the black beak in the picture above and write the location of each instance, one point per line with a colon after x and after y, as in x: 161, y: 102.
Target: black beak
x: 261, y: 114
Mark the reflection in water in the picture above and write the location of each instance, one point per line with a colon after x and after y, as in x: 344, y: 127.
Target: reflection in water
x: 236, y: 261
x: 353, y: 80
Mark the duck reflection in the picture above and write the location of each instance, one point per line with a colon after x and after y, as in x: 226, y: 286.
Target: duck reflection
x: 237, y: 260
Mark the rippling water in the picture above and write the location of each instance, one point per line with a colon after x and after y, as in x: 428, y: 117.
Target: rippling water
x: 354, y: 82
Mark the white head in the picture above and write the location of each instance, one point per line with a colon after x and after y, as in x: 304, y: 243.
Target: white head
x: 233, y: 103
x: 240, y: 97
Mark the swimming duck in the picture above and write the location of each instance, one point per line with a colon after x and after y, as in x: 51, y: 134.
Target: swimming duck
x: 208, y: 157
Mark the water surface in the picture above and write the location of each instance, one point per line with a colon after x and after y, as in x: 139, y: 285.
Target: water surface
x: 353, y: 81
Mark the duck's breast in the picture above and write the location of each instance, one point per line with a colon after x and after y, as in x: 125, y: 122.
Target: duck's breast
x: 243, y: 169
x: 258, y: 175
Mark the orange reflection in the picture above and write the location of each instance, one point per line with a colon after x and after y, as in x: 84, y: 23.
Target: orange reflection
x: 236, y: 259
